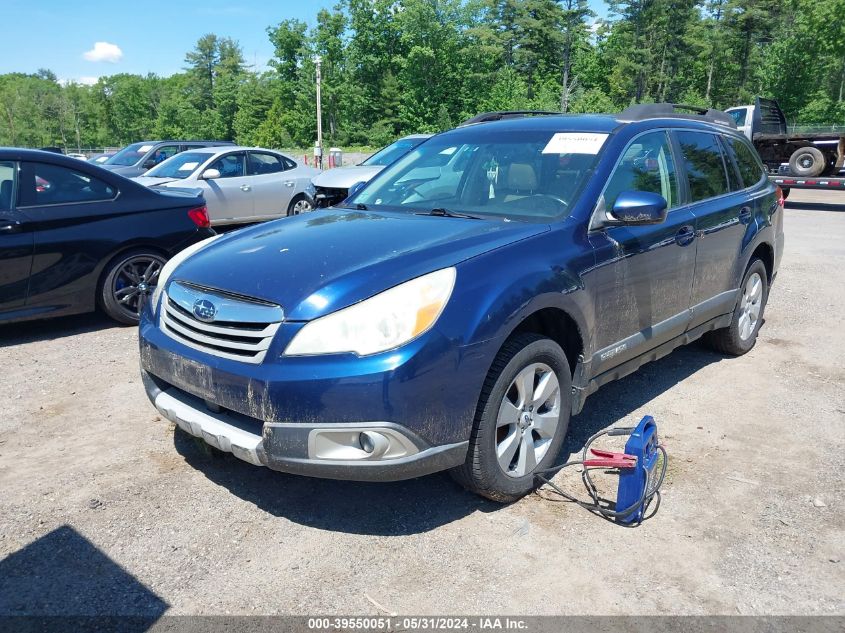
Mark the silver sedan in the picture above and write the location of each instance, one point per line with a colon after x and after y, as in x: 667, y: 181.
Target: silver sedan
x: 240, y: 184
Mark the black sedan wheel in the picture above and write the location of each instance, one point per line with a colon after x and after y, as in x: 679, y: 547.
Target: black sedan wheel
x: 129, y: 281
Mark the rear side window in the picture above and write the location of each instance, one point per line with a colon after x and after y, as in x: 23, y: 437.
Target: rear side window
x: 646, y: 165
x: 7, y: 185
x: 749, y: 165
x: 52, y: 184
x: 705, y: 167
x: 260, y: 163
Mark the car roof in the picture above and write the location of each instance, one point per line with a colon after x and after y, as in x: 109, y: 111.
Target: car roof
x: 41, y: 156
x: 180, y: 141
x: 600, y: 123
x: 413, y: 136
x: 231, y: 148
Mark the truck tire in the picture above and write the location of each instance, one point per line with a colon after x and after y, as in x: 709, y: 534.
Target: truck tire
x: 807, y: 161
x: 515, y: 434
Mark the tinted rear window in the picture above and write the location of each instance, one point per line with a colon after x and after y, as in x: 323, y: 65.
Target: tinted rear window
x: 704, y: 165
x: 749, y: 165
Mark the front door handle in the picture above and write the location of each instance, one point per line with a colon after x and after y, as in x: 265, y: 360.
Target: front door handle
x: 289, y: 183
x: 685, y: 235
x: 245, y: 187
x: 745, y: 215
x: 9, y: 226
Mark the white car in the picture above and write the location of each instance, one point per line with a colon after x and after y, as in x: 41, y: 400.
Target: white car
x: 240, y: 184
x: 332, y: 186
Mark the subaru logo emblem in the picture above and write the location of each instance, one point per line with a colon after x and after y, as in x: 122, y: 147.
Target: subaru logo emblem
x: 204, y: 310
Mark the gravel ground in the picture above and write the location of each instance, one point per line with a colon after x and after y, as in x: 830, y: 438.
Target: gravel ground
x: 106, y: 509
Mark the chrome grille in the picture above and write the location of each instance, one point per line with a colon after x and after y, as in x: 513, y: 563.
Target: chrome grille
x: 239, y: 329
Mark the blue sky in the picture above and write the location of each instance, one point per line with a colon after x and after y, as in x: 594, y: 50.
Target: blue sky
x: 138, y: 36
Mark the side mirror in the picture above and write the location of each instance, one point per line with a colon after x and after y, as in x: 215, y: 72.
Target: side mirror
x: 637, y: 207
x: 149, y: 163
x: 210, y: 174
x: 355, y: 188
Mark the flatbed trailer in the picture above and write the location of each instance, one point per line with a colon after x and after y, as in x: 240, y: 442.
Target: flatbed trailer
x: 792, y: 182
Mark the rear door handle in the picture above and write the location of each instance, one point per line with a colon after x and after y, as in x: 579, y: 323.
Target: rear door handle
x: 9, y: 226
x: 685, y: 235
x: 745, y: 215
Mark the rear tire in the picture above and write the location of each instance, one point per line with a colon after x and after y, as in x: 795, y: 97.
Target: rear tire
x: 129, y: 279
x: 741, y: 335
x: 807, y: 161
x: 515, y: 435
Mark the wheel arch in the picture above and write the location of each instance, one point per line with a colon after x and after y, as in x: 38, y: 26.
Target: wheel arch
x: 766, y: 254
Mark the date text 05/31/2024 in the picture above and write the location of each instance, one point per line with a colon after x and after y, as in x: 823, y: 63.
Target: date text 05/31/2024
x: 424, y: 623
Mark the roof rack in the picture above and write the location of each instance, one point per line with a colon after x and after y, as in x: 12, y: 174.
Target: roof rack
x: 506, y: 114
x: 643, y: 111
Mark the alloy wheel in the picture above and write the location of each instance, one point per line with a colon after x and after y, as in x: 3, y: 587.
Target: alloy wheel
x: 135, y: 279
x: 751, y: 305
x: 528, y: 419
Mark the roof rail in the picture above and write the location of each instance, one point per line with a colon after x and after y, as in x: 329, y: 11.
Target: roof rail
x: 643, y: 111
x: 505, y: 114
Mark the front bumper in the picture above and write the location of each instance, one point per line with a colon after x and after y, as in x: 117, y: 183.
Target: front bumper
x: 291, y: 447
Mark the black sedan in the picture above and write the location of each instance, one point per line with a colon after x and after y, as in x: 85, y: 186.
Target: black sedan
x: 74, y: 236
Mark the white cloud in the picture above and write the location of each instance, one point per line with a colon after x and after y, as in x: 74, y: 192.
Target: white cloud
x: 104, y: 52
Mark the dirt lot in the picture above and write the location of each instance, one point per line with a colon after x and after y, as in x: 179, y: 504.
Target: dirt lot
x: 104, y: 509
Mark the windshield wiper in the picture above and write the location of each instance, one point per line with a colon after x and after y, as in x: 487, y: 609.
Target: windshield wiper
x: 445, y: 213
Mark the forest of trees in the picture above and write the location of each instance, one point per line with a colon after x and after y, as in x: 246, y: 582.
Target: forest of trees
x: 391, y: 67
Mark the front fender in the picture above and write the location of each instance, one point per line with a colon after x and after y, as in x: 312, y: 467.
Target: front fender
x: 498, y: 290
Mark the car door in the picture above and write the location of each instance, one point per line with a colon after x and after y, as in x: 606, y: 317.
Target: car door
x: 16, y: 242
x: 643, y: 274
x: 230, y: 197
x: 272, y: 191
x: 64, y: 207
x: 722, y: 214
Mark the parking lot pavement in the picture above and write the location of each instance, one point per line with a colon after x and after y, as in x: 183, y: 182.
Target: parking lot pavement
x: 105, y: 509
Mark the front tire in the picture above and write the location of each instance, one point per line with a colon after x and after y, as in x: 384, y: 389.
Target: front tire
x: 521, y: 419
x: 129, y: 279
x: 741, y: 335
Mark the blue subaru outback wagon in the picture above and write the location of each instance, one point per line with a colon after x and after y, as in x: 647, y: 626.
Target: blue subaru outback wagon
x: 458, y: 309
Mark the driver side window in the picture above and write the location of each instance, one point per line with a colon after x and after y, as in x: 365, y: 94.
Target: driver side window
x: 646, y: 165
x: 52, y: 184
x: 230, y: 165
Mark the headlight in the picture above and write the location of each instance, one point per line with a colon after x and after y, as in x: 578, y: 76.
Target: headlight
x: 380, y: 323
x: 169, y: 267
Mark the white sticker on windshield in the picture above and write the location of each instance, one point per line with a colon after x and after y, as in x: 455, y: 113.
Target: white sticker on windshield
x: 144, y: 148
x: 188, y: 167
x: 575, y: 143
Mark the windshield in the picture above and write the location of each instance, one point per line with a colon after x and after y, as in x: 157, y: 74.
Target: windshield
x: 130, y: 154
x: 394, y: 151
x: 179, y: 166
x: 526, y: 175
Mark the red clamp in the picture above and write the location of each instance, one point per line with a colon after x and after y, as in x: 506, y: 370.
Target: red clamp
x: 609, y: 459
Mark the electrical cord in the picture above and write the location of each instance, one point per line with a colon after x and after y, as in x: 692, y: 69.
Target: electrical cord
x: 651, y: 491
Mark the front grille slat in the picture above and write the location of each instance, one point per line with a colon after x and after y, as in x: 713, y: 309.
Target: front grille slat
x: 225, y: 339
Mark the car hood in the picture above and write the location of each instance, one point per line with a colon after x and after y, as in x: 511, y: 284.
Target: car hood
x: 313, y: 264
x: 345, y: 177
